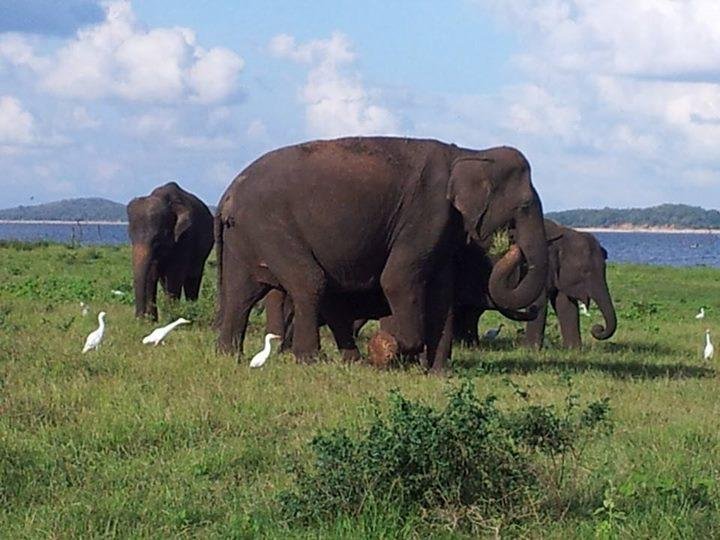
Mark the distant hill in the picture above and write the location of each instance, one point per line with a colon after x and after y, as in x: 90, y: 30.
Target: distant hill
x: 665, y: 216
x: 89, y: 209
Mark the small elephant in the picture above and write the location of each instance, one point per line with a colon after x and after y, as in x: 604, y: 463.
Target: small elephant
x: 576, y: 272
x: 171, y: 232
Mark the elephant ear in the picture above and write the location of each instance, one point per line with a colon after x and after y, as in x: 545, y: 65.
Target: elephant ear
x: 182, y: 223
x: 469, y: 189
x: 553, y: 231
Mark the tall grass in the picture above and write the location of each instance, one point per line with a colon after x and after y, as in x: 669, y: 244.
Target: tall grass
x: 175, y: 440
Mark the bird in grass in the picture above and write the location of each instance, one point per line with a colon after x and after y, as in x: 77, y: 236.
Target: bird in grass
x: 157, y: 335
x: 84, y: 309
x: 95, y: 337
x: 709, y: 349
x: 260, y: 358
x: 583, y: 309
x: 492, y: 333
x: 701, y: 313
x: 117, y: 292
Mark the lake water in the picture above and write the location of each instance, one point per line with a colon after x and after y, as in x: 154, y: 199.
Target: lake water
x: 644, y: 248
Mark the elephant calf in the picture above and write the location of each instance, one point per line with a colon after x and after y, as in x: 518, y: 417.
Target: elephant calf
x: 171, y: 232
x: 576, y: 272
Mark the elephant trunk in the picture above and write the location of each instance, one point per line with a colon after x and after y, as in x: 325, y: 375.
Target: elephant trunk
x: 529, y: 242
x: 143, y: 280
x: 604, y: 302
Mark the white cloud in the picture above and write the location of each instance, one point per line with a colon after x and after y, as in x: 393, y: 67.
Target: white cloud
x: 120, y: 58
x: 336, y: 101
x: 634, y: 84
x: 82, y: 119
x: 256, y: 129
x: 17, y: 125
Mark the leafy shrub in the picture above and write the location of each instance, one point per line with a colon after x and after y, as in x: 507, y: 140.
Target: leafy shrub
x: 469, y: 458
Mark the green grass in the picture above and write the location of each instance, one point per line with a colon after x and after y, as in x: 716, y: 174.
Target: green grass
x: 136, y: 441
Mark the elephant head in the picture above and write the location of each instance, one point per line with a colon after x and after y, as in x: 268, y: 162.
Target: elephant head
x: 577, y: 269
x: 155, y: 224
x: 492, y: 189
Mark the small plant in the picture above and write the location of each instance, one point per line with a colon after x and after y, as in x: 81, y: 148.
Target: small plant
x: 500, y: 243
x: 468, y: 459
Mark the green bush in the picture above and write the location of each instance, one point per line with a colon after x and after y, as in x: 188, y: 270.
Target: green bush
x: 468, y: 458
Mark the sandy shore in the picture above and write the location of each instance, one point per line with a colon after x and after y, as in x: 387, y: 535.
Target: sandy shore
x: 649, y: 230
x: 56, y: 222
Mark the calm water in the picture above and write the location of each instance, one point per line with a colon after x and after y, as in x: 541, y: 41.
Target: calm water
x: 644, y: 248
x: 65, y: 233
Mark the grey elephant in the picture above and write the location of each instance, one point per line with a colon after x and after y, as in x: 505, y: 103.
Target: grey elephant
x: 576, y: 273
x: 171, y: 232
x: 354, y: 214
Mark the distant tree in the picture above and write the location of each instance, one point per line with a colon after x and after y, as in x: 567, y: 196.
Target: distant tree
x: 678, y: 216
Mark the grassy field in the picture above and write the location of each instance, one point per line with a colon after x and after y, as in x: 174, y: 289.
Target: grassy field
x: 135, y: 441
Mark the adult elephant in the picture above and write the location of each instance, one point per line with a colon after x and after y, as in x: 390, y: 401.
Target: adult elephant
x: 352, y: 214
x: 576, y: 272
x: 171, y: 232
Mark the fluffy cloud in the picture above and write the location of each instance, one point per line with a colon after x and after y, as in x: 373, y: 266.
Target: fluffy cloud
x: 336, y: 101
x: 627, y: 83
x: 17, y: 126
x: 119, y: 58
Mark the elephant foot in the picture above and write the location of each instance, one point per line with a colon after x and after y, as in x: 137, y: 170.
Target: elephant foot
x: 350, y: 355
x: 382, y: 349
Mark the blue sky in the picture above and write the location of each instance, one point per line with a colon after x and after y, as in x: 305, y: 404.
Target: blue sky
x: 614, y: 103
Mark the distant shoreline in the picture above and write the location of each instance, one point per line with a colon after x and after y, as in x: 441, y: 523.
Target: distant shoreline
x: 57, y: 222
x: 647, y: 230
x: 583, y: 229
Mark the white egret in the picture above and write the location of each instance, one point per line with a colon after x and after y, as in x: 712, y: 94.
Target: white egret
x: 95, y: 337
x: 709, y: 349
x: 492, y: 333
x: 84, y: 309
x: 701, y: 313
x: 583, y: 309
x: 157, y: 335
x: 260, y: 358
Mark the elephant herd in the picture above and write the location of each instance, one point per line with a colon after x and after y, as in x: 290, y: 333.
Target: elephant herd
x: 340, y: 231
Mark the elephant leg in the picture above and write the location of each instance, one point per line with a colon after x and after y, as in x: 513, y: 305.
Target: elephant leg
x: 406, y: 294
x: 151, y: 286
x: 306, y: 337
x: 465, y: 325
x: 535, y: 329
x: 238, y: 299
x: 192, y: 287
x: 274, y: 316
x: 439, y: 329
x: 341, y: 326
x: 174, y: 280
x: 569, y: 319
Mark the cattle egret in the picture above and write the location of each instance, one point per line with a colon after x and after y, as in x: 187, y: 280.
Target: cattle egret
x: 583, y: 309
x: 492, y: 333
x: 701, y: 314
x: 157, y: 335
x: 260, y: 358
x: 117, y: 292
x: 709, y: 349
x: 85, y: 309
x: 95, y: 337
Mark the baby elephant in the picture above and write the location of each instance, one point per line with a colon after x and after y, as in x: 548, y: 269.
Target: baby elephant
x: 171, y: 232
x: 576, y: 273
